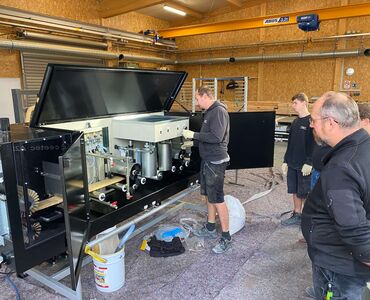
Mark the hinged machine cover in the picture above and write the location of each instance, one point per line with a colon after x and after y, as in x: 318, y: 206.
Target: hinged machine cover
x: 72, y: 93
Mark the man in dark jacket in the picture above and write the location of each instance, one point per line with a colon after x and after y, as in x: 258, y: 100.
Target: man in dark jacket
x: 212, y: 141
x: 336, y: 216
x: 298, y: 158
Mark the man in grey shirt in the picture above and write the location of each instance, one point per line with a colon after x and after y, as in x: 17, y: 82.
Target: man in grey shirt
x: 212, y: 141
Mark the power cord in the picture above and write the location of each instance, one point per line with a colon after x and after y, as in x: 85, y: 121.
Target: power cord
x: 12, y: 284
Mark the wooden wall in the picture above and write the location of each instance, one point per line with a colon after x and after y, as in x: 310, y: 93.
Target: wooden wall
x: 78, y: 10
x: 270, y: 81
x: 279, y: 80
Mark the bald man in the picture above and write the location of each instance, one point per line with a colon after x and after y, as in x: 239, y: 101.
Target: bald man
x: 336, y: 217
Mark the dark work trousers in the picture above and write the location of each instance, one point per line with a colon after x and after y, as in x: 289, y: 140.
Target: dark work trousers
x: 342, y: 286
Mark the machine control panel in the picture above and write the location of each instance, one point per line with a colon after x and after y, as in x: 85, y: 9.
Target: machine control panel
x: 93, y: 139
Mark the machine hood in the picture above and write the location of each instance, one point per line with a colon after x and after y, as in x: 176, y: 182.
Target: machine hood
x: 72, y: 93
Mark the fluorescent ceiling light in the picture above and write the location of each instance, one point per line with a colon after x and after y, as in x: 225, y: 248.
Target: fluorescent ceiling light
x: 174, y: 10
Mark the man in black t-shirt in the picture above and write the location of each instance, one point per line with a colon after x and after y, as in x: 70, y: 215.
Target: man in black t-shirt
x: 298, y: 158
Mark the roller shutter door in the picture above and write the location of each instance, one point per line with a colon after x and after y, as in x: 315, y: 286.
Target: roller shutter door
x: 34, y: 65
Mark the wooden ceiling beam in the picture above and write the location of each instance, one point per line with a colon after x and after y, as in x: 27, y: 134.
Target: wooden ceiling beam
x: 111, y: 8
x: 251, y: 3
x: 237, y: 3
x: 226, y: 9
x: 189, y: 12
x: 232, y: 8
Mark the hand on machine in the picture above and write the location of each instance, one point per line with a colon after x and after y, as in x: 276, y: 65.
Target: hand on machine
x: 188, y: 134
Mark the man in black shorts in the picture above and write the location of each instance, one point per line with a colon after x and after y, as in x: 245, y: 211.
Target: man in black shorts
x: 212, y: 141
x: 298, y: 158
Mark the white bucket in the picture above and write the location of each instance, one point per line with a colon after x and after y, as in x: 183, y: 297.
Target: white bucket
x: 110, y: 276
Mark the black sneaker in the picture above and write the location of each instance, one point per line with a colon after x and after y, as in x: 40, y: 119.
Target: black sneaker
x: 295, y: 219
x: 222, y: 246
x: 204, y: 232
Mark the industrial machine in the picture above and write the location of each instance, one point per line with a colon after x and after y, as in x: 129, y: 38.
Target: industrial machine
x: 100, y: 148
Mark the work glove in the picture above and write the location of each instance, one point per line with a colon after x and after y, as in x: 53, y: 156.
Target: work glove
x: 306, y: 170
x: 188, y: 134
x: 284, y: 168
x: 187, y: 144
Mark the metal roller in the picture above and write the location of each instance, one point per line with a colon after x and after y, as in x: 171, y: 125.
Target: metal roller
x: 135, y: 171
x: 159, y: 175
x: 164, y: 156
x: 178, y: 155
x: 119, y: 186
x: 98, y: 195
x: 149, y: 161
x: 120, y: 167
x: 142, y: 180
x: 138, y: 157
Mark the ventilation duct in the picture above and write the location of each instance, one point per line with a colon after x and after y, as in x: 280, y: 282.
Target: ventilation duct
x: 56, y: 49
x: 275, y: 57
x: 77, y: 51
x: 158, y: 60
x: 61, y: 39
x: 19, y: 18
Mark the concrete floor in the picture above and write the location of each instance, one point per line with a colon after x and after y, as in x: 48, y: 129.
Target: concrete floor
x: 266, y: 260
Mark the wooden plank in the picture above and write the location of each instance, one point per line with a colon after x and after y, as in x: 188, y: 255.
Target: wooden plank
x: 103, y: 183
x: 97, y: 185
x: 55, y: 200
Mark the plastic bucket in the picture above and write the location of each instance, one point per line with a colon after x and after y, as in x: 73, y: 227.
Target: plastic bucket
x: 110, y: 275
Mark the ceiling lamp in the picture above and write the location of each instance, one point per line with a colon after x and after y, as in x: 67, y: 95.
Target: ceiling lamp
x: 174, y: 10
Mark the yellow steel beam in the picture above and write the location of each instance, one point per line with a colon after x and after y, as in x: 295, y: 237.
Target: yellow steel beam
x: 325, y: 14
